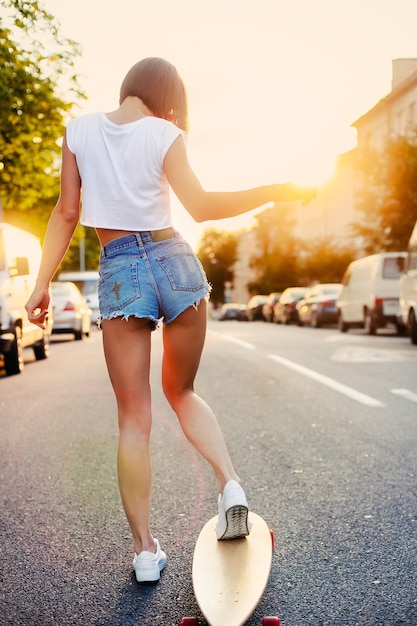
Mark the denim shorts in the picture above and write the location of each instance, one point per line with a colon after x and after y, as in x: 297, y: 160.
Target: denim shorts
x: 149, y: 279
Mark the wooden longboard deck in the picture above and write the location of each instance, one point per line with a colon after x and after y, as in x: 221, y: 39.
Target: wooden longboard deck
x: 229, y: 577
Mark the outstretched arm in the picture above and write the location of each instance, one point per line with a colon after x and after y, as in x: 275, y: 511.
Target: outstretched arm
x: 61, y: 227
x: 213, y: 205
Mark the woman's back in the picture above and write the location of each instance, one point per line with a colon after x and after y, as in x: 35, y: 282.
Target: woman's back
x: 121, y: 169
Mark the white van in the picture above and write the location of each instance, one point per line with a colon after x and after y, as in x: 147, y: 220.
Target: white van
x: 87, y: 283
x: 20, y: 254
x: 408, y: 289
x: 370, y: 294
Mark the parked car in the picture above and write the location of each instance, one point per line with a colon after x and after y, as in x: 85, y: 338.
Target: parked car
x: 318, y: 307
x: 20, y: 255
x: 233, y: 311
x: 268, y: 307
x: 370, y: 296
x: 70, y: 310
x: 285, y: 310
x: 87, y: 283
x: 408, y: 289
x: 255, y: 305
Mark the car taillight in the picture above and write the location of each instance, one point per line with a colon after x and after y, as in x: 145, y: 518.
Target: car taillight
x: 69, y: 307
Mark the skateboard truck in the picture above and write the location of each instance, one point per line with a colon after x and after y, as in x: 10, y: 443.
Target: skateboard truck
x: 268, y: 620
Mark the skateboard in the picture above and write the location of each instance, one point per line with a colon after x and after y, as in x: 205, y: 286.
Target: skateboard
x: 229, y: 577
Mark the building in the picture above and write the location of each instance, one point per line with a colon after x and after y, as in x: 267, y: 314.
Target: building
x: 243, y: 272
x: 331, y: 214
x: 396, y: 114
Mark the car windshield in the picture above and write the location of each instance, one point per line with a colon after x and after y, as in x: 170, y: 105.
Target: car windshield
x: 294, y: 294
x: 60, y: 290
x: 89, y: 287
x: 391, y: 268
x: 328, y: 291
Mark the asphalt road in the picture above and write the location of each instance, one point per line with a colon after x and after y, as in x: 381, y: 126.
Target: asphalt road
x: 323, y: 431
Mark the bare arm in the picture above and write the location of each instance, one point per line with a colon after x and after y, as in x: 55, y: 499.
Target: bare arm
x: 61, y: 227
x: 213, y: 205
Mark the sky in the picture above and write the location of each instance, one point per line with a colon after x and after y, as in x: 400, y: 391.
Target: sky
x: 273, y: 85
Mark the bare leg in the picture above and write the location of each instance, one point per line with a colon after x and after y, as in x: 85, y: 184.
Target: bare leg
x: 127, y: 351
x: 183, y: 344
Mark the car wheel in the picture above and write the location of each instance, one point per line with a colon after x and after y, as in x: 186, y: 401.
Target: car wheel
x: 41, y: 349
x: 341, y: 324
x: 412, y: 327
x: 369, y: 324
x: 401, y: 329
x: 78, y: 335
x: 13, y: 359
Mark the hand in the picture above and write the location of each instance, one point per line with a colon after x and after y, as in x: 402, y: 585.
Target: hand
x: 37, y: 307
x: 288, y: 192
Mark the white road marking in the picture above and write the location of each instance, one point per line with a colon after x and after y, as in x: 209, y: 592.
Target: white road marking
x: 329, y: 382
x: 362, y: 354
x: 405, y: 393
x: 239, y: 342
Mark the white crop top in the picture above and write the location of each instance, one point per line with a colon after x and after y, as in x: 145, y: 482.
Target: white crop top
x: 121, y: 170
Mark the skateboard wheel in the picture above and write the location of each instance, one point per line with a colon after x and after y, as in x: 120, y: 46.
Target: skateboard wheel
x: 272, y: 538
x: 270, y: 620
x: 189, y: 621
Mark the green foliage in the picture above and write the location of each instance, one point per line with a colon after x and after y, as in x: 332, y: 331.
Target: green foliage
x: 32, y: 113
x: 387, y: 195
x: 324, y: 261
x: 37, y: 65
x: 276, y: 262
x: 218, y: 254
x: 280, y: 260
x: 31, y: 123
x: 72, y: 260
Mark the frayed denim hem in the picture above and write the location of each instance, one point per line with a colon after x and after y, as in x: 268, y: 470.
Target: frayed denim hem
x: 154, y: 322
x: 194, y: 305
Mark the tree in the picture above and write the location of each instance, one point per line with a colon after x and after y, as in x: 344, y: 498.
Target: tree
x: 218, y: 254
x: 276, y: 262
x: 324, y: 261
x: 33, y: 113
x: 387, y: 194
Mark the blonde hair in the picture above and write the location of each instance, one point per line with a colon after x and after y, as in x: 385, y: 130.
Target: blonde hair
x: 160, y: 87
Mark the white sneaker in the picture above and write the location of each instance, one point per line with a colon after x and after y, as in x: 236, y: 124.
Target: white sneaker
x: 148, y: 566
x: 233, y: 512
